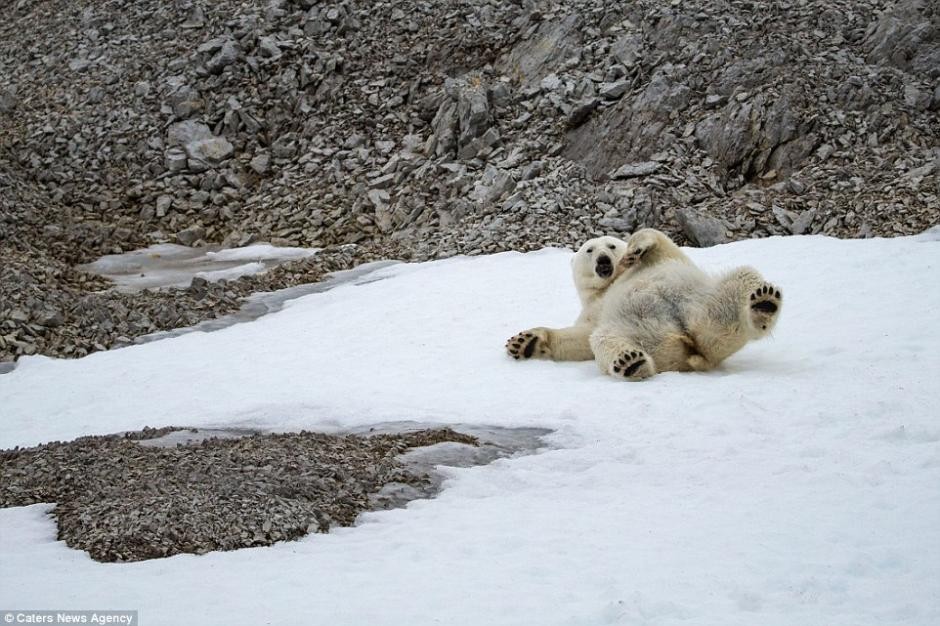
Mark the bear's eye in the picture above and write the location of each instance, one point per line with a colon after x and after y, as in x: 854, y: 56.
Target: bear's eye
x: 589, y: 250
x: 611, y: 246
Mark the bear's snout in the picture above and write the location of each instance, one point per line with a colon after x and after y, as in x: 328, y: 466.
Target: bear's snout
x: 604, y: 267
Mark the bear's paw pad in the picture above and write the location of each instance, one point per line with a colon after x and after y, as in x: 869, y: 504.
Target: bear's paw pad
x: 525, y: 345
x: 633, y: 365
x: 765, y: 302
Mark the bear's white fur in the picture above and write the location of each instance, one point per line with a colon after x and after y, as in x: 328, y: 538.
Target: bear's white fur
x: 662, y: 313
x: 593, y: 267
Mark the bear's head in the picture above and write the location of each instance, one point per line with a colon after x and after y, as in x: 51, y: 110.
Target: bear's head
x: 594, y: 263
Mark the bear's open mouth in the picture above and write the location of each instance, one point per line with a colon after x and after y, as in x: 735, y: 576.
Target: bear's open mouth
x: 604, y: 267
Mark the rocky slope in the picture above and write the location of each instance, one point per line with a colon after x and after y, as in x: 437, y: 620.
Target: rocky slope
x: 418, y: 130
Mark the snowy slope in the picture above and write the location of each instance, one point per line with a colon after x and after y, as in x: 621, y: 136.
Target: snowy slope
x: 797, y: 485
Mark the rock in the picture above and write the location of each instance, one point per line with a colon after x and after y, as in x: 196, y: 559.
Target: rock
x: 203, y: 149
x: 581, y: 112
x: 260, y: 163
x: 284, y: 148
x: 632, y: 170
x: 550, y: 82
x: 227, y: 55
x: 615, y: 90
x: 382, y: 182
x: 473, y: 115
x: 494, y: 184
x: 196, y: 19
x: 715, y: 100
x: 379, y: 198
x: 443, y: 141
x: 164, y: 203
x: 915, y: 98
x: 184, y: 133
x: 705, y: 231
x: 554, y: 41
x: 269, y: 48
x: 191, y: 235
x: 208, y: 153
x: 184, y: 101
x: 802, y: 223
x: 905, y: 36
x: 175, y: 160
x: 7, y: 99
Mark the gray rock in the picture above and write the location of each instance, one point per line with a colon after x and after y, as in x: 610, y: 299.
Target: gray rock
x: 185, y: 102
x: 196, y: 19
x: 382, y: 182
x: 628, y: 49
x: 473, y: 114
x: 915, y: 98
x: 186, y: 132
x: 284, y: 147
x: 494, y: 184
x: 7, y: 99
x: 582, y: 111
x: 539, y: 55
x: 444, y: 138
x: 269, y: 48
x: 550, y: 82
x: 803, y: 222
x: 163, y: 205
x: 227, y: 55
x: 615, y: 90
x: 906, y: 37
x: 207, y: 153
x: 175, y: 160
x: 703, y: 230
x: 191, y: 235
x: 260, y: 163
x: 632, y: 170
x: 715, y: 100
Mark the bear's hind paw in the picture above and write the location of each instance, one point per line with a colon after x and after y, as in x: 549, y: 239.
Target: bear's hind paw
x: 765, y: 304
x: 633, y: 365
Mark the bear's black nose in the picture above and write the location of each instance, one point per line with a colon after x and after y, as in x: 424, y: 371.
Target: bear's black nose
x: 604, y: 267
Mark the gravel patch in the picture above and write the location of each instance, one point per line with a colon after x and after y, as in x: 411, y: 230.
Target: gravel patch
x: 122, y: 501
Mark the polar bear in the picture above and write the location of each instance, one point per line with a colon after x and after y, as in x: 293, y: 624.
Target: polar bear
x: 594, y: 267
x: 662, y: 313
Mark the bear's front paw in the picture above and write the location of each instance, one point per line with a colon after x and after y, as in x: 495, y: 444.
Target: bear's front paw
x: 636, y: 250
x: 633, y: 365
x: 765, y: 304
x: 532, y: 343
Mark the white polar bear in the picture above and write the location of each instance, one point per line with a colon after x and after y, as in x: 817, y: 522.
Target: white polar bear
x: 662, y: 313
x: 594, y: 267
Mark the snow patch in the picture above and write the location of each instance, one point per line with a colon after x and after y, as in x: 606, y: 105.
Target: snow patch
x: 172, y: 265
x: 797, y: 484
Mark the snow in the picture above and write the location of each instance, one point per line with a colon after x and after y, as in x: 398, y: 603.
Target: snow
x: 796, y: 485
x: 261, y: 252
x: 230, y: 273
x: 172, y: 265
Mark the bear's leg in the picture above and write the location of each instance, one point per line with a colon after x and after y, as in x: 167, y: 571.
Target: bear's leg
x: 559, y: 344
x: 647, y: 247
x: 620, y: 357
x: 742, y: 307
